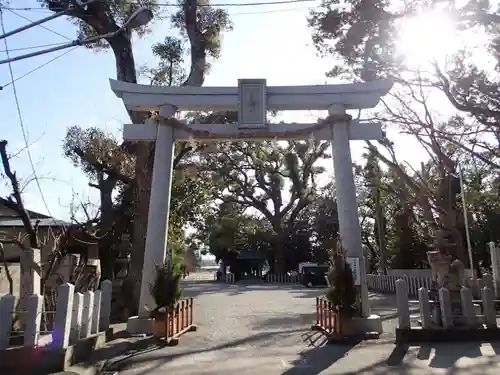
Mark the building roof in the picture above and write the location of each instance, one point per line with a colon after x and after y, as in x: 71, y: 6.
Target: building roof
x: 13, y: 220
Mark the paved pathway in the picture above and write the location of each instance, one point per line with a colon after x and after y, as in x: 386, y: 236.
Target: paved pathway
x: 264, y: 329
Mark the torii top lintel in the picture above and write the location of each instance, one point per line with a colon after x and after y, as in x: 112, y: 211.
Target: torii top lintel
x: 137, y: 97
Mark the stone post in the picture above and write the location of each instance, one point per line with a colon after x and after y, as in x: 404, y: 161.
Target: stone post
x: 468, y: 306
x: 30, y: 278
x: 6, y: 315
x: 349, y: 228
x: 76, y: 317
x: 96, y: 312
x: 33, y: 320
x: 425, y: 307
x: 445, y: 305
x: 489, y: 307
x: 64, y: 309
x: 495, y: 266
x: 88, y: 307
x: 402, y: 304
x: 157, y: 231
x: 105, y: 315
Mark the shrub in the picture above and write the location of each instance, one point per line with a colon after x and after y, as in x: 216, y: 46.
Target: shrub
x: 342, y: 294
x: 166, y: 289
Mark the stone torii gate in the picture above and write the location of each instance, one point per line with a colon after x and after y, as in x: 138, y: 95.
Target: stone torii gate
x: 252, y: 99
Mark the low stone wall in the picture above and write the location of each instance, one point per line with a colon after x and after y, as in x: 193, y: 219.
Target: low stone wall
x: 387, y: 284
x: 76, y: 316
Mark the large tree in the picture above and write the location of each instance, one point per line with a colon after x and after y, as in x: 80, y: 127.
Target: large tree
x: 199, y: 25
x: 363, y: 36
x: 257, y: 175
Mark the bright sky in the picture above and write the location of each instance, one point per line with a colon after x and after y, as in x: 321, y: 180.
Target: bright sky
x: 271, y: 41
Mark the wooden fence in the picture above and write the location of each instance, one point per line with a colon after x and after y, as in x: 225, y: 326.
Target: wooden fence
x: 179, y: 321
x: 327, y: 319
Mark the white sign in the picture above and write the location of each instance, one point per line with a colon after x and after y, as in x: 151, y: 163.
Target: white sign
x: 252, y: 103
x: 354, y: 263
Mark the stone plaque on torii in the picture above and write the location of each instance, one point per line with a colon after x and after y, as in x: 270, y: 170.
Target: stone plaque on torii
x: 252, y: 111
x: 252, y: 98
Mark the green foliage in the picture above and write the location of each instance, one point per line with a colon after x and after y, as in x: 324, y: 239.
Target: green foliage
x: 96, y: 152
x: 211, y: 21
x: 342, y: 293
x: 166, y: 289
x: 170, y: 70
x: 103, y: 17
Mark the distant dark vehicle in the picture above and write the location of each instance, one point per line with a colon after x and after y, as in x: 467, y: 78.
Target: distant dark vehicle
x: 314, y: 275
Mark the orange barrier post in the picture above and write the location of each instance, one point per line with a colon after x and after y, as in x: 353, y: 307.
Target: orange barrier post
x: 327, y: 319
x: 179, y: 321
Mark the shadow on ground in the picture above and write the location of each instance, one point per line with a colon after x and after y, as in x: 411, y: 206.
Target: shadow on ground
x: 318, y: 356
x: 448, y: 357
x: 285, y: 321
x: 159, y: 358
x: 193, y: 288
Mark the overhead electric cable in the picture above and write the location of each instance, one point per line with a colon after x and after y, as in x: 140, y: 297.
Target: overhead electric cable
x: 37, y: 68
x: 228, y: 5
x: 41, y: 26
x: 32, y: 47
x: 21, y: 121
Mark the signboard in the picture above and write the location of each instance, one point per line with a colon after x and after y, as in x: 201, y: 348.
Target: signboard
x: 252, y: 103
x: 354, y: 264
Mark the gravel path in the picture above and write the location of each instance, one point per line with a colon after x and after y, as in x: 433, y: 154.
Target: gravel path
x: 249, y: 329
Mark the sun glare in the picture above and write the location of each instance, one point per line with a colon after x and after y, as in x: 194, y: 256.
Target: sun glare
x: 427, y: 37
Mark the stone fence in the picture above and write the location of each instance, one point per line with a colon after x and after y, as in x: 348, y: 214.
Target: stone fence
x: 448, y: 309
x: 77, y: 316
x: 387, y: 284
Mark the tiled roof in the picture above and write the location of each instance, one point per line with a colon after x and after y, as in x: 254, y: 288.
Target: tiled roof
x: 33, y: 214
x: 12, y: 222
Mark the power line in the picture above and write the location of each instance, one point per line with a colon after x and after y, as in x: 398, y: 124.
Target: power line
x: 228, y: 5
x: 41, y: 26
x: 37, y: 68
x: 33, y: 47
x: 21, y: 122
x: 269, y: 11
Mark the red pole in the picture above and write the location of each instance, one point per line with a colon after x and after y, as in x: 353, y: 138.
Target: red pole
x: 177, y: 319
x: 171, y: 321
x: 323, y: 314
x: 318, y: 314
x: 182, y: 307
x: 191, y: 307
x: 331, y: 326
x: 166, y: 326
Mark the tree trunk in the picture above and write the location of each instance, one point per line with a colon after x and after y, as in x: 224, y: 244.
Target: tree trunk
x: 380, y: 229
x: 125, y: 71
x: 105, y: 235
x: 280, y: 266
x: 124, y: 57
